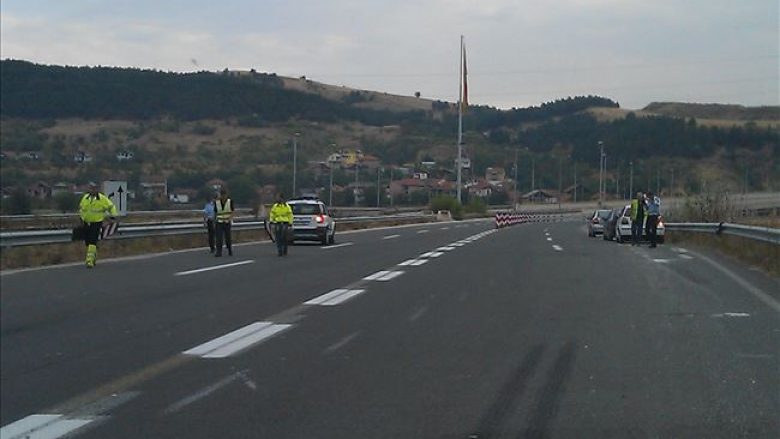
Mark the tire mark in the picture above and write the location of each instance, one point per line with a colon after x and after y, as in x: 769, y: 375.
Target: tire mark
x: 495, y: 417
x: 550, y: 395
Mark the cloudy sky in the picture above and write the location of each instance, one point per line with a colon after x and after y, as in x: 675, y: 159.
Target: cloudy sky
x: 520, y: 52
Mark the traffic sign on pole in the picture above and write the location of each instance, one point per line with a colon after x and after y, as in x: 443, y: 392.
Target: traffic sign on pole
x: 116, y: 191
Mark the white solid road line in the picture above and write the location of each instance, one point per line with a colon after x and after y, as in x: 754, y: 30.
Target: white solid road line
x: 50, y: 426
x: 391, y: 236
x: 328, y: 247
x: 216, y: 267
x: 558, y: 248
x: 237, y: 341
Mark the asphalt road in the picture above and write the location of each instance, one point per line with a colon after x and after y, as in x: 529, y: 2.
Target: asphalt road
x: 446, y: 330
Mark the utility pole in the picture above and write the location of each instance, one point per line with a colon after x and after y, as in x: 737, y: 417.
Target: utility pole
x: 357, y: 184
x: 377, y: 186
x: 601, y: 173
x: 533, y: 174
x: 671, y: 192
x: 658, y: 181
x: 631, y: 180
x: 391, y: 186
x: 560, y: 181
x: 516, y: 185
x: 295, y: 161
x: 330, y: 165
x: 459, y: 163
x: 575, y: 182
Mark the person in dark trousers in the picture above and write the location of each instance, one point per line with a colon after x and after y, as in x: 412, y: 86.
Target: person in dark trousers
x: 209, y: 218
x: 653, y: 205
x: 637, y: 217
x: 94, y: 207
x: 224, y: 208
x: 281, y: 218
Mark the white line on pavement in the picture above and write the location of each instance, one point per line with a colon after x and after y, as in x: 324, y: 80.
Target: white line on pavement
x: 200, y: 394
x: 731, y: 314
x: 216, y: 267
x: 234, y: 342
x: 444, y: 228
x: 662, y: 261
x: 391, y: 236
x: 684, y: 256
x: 376, y: 275
x: 431, y: 255
x: 49, y: 426
x: 445, y: 249
x: 341, y: 343
x: 549, y: 239
x: 334, y: 297
x: 423, y: 231
x: 328, y: 247
x: 348, y: 294
x: 558, y: 248
x: 418, y: 313
x: 388, y: 275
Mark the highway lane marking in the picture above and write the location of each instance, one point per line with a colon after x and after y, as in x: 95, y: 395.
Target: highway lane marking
x: 444, y: 228
x: 457, y: 244
x: 684, y: 256
x: 341, y: 343
x: 423, y: 231
x: 384, y: 275
x: 215, y: 267
x: 200, y: 394
x: 335, y: 297
x: 391, y: 236
x: 328, y: 247
x: 557, y: 247
x: 730, y: 314
x: 549, y: 239
x: 413, y: 262
x: 445, y: 249
x: 418, y: 313
x: 431, y: 255
x: 662, y: 261
x: 679, y: 250
x: 48, y: 426
x: 237, y: 341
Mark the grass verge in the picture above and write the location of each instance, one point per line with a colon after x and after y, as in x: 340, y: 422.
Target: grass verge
x: 756, y: 253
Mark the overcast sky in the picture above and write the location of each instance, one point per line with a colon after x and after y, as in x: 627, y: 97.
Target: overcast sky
x: 520, y: 52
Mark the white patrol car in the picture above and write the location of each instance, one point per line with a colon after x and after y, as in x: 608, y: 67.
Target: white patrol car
x: 311, y: 221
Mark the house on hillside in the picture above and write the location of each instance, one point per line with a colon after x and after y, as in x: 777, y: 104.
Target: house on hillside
x: 124, y: 155
x: 63, y: 188
x: 154, y: 187
x: 481, y: 188
x: 495, y: 175
x: 39, y: 190
x: 82, y: 157
x: 541, y: 196
x: 181, y: 196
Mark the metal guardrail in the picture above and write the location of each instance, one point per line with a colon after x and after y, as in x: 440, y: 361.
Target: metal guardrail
x: 765, y: 234
x: 53, y: 236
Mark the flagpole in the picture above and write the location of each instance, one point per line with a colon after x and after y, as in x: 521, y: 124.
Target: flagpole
x: 460, y: 121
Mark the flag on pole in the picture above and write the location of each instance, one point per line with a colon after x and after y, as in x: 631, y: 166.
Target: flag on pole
x: 465, y: 102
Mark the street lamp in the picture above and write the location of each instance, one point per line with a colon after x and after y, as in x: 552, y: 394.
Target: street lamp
x: 631, y: 180
x: 330, y: 185
x: 602, y: 161
x: 378, y: 174
x: 295, y: 160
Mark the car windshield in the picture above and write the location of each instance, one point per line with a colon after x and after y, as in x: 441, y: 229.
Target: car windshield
x: 305, y: 209
x: 604, y: 214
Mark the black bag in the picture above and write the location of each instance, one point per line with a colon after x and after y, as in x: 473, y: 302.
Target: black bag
x: 77, y: 234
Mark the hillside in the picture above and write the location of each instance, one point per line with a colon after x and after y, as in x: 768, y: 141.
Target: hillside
x: 239, y: 126
x: 714, y: 111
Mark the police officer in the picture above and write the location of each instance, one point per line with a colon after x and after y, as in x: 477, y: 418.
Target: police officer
x: 281, y: 217
x: 224, y: 208
x: 209, y: 218
x: 653, y: 205
x: 637, y: 217
x: 93, y: 208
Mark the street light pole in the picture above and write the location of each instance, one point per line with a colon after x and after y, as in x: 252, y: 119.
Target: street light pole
x: 330, y: 186
x: 357, y: 184
x: 516, y: 185
x: 601, y: 173
x: 295, y: 161
x: 378, y: 171
x: 631, y: 180
x: 575, y: 182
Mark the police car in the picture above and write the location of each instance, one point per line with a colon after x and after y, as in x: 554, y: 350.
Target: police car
x: 311, y: 221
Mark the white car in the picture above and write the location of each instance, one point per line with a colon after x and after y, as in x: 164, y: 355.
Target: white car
x: 623, y: 228
x: 311, y: 221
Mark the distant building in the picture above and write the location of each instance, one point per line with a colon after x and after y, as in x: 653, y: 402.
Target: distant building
x: 495, y: 175
x: 82, y: 157
x: 541, y: 196
x: 123, y: 156
x: 63, y: 188
x: 39, y: 190
x: 181, y: 196
x: 154, y: 187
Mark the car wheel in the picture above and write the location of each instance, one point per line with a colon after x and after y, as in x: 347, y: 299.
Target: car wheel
x: 332, y: 238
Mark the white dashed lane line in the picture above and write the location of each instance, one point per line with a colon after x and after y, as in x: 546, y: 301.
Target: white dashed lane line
x: 239, y: 340
x: 334, y: 297
x: 423, y: 231
x: 384, y: 275
x: 391, y: 236
x: 330, y: 247
x: 557, y: 248
x: 215, y: 267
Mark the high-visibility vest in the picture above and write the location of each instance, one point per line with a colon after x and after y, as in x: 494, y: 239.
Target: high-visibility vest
x: 94, y: 209
x: 224, y: 211
x: 281, y: 213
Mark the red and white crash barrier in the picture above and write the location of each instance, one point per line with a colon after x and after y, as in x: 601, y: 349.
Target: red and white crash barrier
x: 506, y: 219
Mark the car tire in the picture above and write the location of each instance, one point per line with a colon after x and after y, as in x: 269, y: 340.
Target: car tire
x: 332, y: 238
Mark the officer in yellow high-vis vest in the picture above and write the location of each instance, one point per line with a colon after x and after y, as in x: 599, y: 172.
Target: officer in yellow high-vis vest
x: 224, y: 208
x: 93, y: 209
x: 281, y: 219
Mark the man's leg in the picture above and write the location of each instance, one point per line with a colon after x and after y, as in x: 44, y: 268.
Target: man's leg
x: 210, y: 227
x: 229, y: 239
x: 220, y: 234
x: 285, y: 232
x: 91, y: 232
x: 652, y: 229
x: 279, y: 234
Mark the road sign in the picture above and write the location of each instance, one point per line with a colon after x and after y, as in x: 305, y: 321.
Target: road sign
x: 116, y: 191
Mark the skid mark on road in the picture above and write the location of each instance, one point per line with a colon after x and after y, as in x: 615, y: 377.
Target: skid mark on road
x: 497, y: 416
x: 549, y: 396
